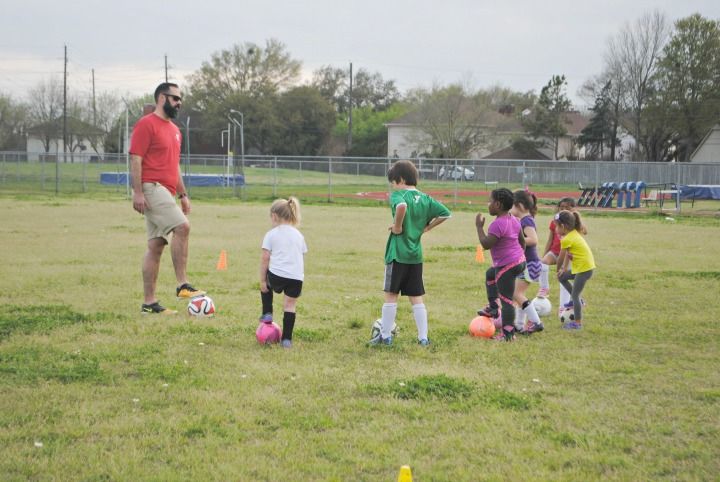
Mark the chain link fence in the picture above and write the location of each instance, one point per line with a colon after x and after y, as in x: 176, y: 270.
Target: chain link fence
x: 332, y: 178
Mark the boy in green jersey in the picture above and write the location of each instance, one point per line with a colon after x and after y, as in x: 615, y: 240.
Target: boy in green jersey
x: 414, y: 213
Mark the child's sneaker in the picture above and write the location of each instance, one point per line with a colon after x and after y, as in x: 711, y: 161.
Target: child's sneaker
x: 531, y: 328
x: 505, y: 335
x: 569, y: 305
x: 187, y: 291
x: 489, y: 311
x: 286, y: 343
x: 572, y: 325
x: 424, y: 342
x: 156, y: 309
x: 543, y: 292
x: 266, y: 318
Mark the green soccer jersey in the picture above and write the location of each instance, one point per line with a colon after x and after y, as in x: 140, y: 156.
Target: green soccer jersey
x: 421, y: 209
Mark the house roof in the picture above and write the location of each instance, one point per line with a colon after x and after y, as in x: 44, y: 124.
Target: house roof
x: 74, y: 126
x: 510, y: 153
x: 715, y: 128
x: 576, y: 122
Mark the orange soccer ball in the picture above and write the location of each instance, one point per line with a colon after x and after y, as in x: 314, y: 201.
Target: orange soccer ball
x: 482, y: 327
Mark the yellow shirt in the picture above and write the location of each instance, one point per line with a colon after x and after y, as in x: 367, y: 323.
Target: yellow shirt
x: 582, y: 257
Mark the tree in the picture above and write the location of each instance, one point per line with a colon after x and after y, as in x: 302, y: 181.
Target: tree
x: 602, y: 129
x: 369, y: 131
x: 13, y: 122
x: 634, y: 54
x: 690, y: 75
x: 44, y: 109
x: 548, y: 117
x: 306, y: 118
x: 244, y: 69
x: 369, y: 90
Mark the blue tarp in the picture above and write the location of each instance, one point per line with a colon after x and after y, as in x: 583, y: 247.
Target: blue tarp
x: 200, y: 180
x: 699, y: 192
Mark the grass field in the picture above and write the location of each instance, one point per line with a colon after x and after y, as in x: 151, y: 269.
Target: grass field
x: 92, y: 390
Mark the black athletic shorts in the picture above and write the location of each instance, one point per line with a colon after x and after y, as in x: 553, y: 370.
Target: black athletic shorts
x: 405, y: 279
x: 291, y: 287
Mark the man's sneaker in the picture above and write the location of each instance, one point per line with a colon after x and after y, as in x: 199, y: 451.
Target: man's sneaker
x: 187, y: 291
x: 531, y: 328
x: 572, y: 325
x: 266, y: 318
x: 286, y: 343
x: 488, y: 311
x: 379, y: 340
x: 424, y: 342
x: 543, y: 292
x: 156, y: 308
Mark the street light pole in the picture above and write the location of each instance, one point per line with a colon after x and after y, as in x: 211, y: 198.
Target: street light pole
x: 240, y: 124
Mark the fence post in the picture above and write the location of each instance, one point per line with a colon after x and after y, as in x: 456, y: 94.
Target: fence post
x: 275, y: 177
x: 329, y: 179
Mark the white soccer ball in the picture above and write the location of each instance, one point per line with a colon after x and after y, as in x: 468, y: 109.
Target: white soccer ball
x: 542, y: 306
x: 377, y: 326
x: 201, y: 306
x: 567, y: 315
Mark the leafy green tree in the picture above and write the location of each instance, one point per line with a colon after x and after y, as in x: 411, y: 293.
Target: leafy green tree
x: 548, y: 117
x: 306, y: 122
x: 13, y: 122
x: 690, y: 75
x: 602, y: 129
x: 244, y: 69
x: 369, y: 131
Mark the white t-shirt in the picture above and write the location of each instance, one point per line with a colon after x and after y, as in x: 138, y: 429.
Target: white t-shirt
x: 287, y: 248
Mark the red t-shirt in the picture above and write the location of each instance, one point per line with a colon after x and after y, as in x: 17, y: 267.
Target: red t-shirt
x: 555, y: 245
x: 158, y: 142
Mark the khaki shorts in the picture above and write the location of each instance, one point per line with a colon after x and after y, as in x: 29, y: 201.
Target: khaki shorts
x: 163, y: 214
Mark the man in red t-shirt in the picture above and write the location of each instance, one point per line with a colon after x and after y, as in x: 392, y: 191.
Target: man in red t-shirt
x: 156, y: 178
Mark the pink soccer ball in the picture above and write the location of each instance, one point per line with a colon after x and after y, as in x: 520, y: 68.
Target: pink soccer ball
x: 268, y: 333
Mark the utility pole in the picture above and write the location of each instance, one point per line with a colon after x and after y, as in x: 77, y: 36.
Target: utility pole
x: 350, y: 105
x: 166, y: 73
x: 94, y: 107
x: 65, y: 105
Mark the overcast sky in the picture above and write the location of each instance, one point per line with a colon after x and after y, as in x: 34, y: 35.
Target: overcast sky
x: 515, y: 43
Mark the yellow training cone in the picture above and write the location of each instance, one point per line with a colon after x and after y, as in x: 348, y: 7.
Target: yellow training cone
x: 405, y: 474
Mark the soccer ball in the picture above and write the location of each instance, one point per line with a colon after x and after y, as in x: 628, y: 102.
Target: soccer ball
x: 482, y: 326
x: 201, y: 306
x: 542, y: 306
x: 268, y: 333
x: 377, y: 326
x: 567, y: 315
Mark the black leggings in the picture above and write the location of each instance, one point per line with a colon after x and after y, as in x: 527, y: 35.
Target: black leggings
x: 503, y: 287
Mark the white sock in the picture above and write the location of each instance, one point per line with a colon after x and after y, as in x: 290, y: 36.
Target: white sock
x: 389, y: 311
x: 420, y: 315
x: 544, y: 276
x: 519, y: 318
x: 565, y: 297
x: 531, y: 313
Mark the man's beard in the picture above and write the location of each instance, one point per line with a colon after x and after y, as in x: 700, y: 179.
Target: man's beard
x: 169, y: 110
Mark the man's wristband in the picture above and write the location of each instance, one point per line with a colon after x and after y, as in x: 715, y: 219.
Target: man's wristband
x: 182, y: 195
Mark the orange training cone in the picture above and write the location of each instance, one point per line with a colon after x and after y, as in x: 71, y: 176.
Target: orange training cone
x: 479, y: 254
x: 405, y: 474
x: 222, y: 261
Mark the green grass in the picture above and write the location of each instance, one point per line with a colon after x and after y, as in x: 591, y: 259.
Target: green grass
x: 90, y: 389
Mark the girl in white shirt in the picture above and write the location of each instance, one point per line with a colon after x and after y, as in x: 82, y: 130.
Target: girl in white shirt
x: 282, y: 264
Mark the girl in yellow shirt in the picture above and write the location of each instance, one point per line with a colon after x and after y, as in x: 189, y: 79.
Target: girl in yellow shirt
x: 573, y: 246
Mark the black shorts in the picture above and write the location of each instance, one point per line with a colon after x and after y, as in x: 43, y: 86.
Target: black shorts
x: 405, y: 279
x: 291, y: 287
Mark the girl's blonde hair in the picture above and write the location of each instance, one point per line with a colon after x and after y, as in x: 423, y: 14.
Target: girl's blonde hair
x: 287, y: 210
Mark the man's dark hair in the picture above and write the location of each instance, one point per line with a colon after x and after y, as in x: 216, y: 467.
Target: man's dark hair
x: 403, y: 171
x: 164, y: 88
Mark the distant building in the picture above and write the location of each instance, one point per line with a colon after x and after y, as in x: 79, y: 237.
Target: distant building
x: 47, y: 139
x: 709, y: 148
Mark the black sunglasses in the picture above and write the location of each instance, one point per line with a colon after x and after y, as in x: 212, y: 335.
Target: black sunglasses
x: 176, y: 98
